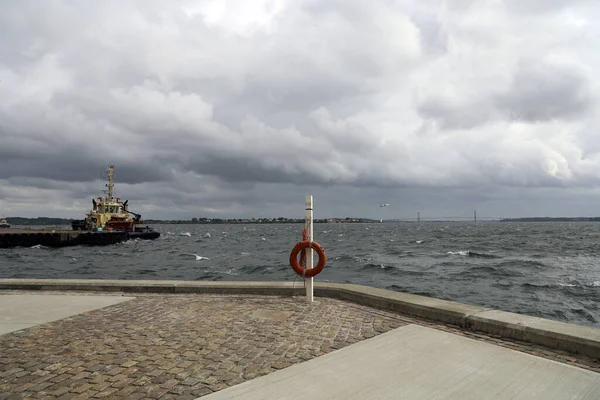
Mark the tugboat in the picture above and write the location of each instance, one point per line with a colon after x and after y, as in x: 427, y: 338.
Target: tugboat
x: 3, y: 223
x: 111, y: 214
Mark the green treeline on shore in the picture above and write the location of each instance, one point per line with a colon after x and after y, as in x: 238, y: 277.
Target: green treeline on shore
x: 280, y: 220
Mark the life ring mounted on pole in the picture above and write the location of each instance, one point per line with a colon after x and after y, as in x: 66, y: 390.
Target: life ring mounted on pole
x: 308, y: 273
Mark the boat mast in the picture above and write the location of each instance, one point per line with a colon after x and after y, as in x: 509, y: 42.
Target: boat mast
x: 110, y: 184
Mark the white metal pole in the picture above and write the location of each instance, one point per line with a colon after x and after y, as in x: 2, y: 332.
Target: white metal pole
x: 308, y: 225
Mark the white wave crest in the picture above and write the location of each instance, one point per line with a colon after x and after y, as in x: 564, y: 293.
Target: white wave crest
x: 566, y: 284
x: 459, y: 253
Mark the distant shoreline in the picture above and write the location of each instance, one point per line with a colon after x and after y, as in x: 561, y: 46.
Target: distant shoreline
x: 550, y: 219
x: 45, y: 221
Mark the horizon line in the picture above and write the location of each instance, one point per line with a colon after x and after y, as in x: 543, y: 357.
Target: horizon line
x: 336, y: 218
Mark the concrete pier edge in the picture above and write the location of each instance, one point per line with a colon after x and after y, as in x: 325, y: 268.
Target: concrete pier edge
x: 558, y: 335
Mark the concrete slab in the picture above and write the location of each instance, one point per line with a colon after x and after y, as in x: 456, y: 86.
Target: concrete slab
x: 24, y: 311
x: 415, y: 362
x: 6, y: 328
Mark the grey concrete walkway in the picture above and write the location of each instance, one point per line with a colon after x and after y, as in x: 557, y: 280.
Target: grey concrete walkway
x: 24, y: 311
x: 154, y: 346
x: 415, y: 362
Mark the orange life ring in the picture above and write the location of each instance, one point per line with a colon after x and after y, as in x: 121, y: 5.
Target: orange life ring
x: 309, y: 273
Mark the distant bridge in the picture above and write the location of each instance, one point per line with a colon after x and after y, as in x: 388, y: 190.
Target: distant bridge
x: 444, y: 219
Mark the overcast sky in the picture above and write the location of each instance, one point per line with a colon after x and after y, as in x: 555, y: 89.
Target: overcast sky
x: 240, y: 108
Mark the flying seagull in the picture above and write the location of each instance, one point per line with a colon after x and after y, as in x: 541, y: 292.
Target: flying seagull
x: 384, y: 205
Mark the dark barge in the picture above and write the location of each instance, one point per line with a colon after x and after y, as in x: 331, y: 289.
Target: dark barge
x: 55, y: 238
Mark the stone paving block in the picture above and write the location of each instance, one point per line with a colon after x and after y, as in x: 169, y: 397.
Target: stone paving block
x: 106, y: 392
x: 85, y: 395
x: 123, y: 383
x: 191, y: 382
x: 81, y: 388
x: 60, y: 391
x: 67, y: 396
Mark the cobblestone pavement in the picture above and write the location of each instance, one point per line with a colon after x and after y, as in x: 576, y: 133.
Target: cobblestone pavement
x: 176, y: 346
x: 187, y: 346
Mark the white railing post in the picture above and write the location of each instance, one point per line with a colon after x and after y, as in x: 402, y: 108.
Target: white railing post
x: 308, y: 225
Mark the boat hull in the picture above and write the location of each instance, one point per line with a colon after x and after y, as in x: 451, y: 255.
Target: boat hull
x: 10, y: 238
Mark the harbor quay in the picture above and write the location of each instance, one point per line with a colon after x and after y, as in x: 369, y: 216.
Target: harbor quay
x: 78, y: 339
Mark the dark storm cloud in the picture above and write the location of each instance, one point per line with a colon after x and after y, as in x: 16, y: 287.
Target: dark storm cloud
x: 238, y: 170
x: 70, y: 163
x: 79, y: 169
